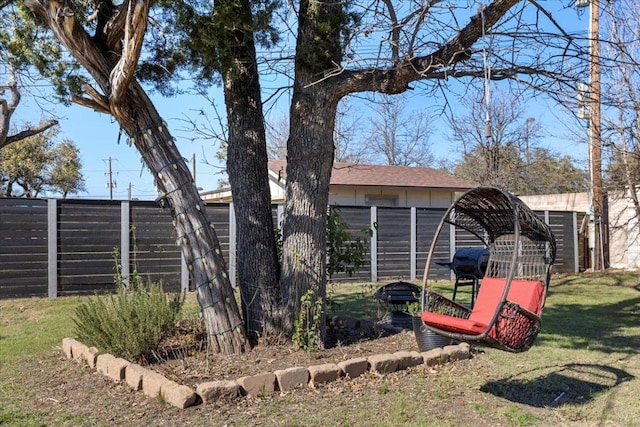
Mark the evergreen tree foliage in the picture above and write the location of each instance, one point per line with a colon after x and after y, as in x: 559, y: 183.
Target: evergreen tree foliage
x: 547, y: 172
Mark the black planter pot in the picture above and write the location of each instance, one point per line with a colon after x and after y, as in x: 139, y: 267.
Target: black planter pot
x: 426, y: 339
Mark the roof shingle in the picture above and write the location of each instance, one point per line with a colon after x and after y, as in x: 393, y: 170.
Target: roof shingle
x: 355, y: 174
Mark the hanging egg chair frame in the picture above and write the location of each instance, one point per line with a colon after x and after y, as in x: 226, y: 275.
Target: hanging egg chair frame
x: 511, y: 296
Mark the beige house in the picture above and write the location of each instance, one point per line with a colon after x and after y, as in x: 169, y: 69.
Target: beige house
x: 371, y: 185
x: 623, y: 223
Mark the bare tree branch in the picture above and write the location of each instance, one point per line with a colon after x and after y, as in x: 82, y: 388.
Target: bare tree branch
x: 135, y: 27
x: 7, y: 107
x: 395, y: 80
x: 90, y: 103
x: 29, y: 131
x: 395, y: 31
x: 97, y: 98
x: 422, y: 14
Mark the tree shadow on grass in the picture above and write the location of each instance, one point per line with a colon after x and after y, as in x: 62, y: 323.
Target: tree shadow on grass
x: 607, y: 323
x: 607, y: 328
x: 574, y: 384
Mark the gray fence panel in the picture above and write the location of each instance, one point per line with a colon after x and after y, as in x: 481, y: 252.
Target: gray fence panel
x: 88, y: 239
x: 466, y: 239
x: 154, y: 254
x: 218, y: 214
x: 394, y: 242
x: 561, y: 224
x: 23, y: 247
x: 427, y: 221
x: 358, y: 219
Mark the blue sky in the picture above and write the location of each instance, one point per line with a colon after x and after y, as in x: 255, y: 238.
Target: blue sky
x: 97, y: 135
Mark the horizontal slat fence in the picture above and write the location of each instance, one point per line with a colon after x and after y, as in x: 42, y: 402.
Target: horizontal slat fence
x: 154, y: 255
x: 394, y: 242
x: 58, y: 247
x: 23, y: 247
x: 88, y: 239
x: 564, y: 228
x: 427, y: 225
x: 359, y: 226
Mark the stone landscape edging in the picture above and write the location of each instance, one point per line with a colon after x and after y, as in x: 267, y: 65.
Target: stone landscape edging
x: 155, y: 385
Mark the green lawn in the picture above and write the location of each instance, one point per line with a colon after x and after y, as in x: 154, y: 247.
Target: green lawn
x: 583, y: 370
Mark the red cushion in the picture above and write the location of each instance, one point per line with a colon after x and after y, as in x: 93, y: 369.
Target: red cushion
x: 453, y: 324
x: 528, y: 294
x: 488, y: 299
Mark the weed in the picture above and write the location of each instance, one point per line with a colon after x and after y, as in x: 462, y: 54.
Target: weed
x: 383, y: 389
x: 480, y: 408
x: 518, y: 417
x: 307, y: 324
x: 162, y: 399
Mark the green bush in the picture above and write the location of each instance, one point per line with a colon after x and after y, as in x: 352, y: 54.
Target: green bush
x: 130, y: 324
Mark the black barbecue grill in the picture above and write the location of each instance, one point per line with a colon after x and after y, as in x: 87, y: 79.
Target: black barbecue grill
x: 469, y: 266
x: 394, y: 299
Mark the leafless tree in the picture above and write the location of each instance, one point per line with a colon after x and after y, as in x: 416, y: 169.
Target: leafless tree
x: 399, y: 136
x: 350, y: 146
x: 9, y: 101
x: 494, y: 129
x: 391, y: 47
x: 277, y: 131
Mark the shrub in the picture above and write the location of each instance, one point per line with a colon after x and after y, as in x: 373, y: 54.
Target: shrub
x: 131, y: 323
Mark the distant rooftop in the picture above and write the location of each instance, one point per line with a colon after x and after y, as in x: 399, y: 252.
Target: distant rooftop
x: 356, y: 174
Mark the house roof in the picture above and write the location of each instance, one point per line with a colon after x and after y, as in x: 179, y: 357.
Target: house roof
x: 356, y: 174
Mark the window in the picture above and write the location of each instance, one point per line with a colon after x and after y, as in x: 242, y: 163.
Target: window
x: 380, y: 200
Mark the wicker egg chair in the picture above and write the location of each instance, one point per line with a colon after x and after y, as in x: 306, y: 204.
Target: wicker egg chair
x: 511, y: 296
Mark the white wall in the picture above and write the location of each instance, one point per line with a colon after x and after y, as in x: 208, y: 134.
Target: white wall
x: 406, y: 197
x: 624, y: 232
x: 568, y: 202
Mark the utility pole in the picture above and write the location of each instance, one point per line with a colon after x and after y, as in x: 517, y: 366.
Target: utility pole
x: 111, y: 184
x: 527, y: 135
x: 594, y: 138
x: 595, y: 142
x: 193, y: 166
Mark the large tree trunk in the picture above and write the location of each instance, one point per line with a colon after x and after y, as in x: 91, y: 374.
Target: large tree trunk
x: 256, y: 256
x: 309, y: 163
x: 310, y: 151
x: 110, y: 57
x: 196, y: 235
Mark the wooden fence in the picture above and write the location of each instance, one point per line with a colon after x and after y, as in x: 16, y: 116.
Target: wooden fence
x: 56, y: 247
